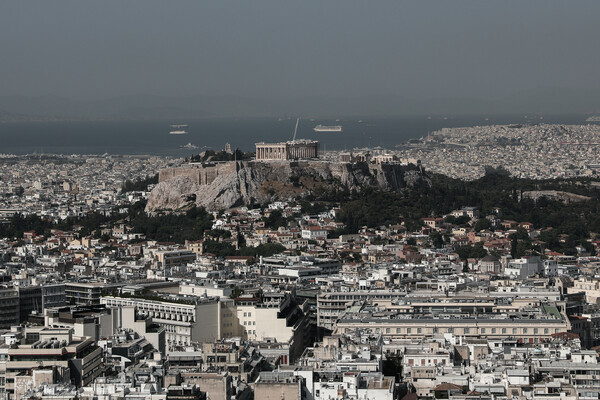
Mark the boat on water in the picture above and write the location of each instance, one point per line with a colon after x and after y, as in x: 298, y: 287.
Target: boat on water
x: 178, y: 129
x: 188, y: 146
x: 324, y: 128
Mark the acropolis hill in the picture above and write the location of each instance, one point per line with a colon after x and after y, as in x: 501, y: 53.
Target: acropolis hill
x: 229, y: 184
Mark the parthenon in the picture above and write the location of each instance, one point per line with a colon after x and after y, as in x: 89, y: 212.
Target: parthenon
x: 291, y: 150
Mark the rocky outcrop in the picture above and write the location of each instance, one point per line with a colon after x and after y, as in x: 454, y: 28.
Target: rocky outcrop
x: 259, y: 182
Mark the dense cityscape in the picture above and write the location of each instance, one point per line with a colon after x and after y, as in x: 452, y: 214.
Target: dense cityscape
x: 299, y: 200
x: 309, y: 297
x: 569, y: 151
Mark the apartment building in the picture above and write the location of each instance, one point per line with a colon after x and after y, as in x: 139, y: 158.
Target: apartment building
x: 86, y: 293
x: 76, y: 359
x: 171, y: 258
x: 185, y: 319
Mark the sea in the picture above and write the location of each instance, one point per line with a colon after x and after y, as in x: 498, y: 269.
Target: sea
x: 151, y: 137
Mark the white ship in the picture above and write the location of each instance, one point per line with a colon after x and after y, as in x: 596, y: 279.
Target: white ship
x: 323, y: 128
x: 177, y: 129
x: 188, y: 146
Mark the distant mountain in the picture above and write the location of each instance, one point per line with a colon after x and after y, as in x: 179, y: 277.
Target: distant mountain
x: 546, y: 100
x: 14, y: 117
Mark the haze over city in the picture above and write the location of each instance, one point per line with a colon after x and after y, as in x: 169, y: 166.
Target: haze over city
x: 308, y: 200
x: 109, y: 58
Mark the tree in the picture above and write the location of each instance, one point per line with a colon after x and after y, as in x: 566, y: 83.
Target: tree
x: 139, y: 185
x: 275, y: 220
x: 437, y: 239
x: 237, y: 292
x: 520, y: 244
x: 467, y: 251
x: 481, y: 224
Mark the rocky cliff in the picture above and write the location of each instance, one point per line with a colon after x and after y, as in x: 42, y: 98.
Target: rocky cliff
x: 259, y: 182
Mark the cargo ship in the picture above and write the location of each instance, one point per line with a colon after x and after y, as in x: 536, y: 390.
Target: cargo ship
x: 323, y: 128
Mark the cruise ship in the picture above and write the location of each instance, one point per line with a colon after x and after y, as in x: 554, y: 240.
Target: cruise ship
x: 323, y: 128
x: 178, y: 129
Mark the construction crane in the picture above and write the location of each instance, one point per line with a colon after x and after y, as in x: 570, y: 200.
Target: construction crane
x: 295, y: 130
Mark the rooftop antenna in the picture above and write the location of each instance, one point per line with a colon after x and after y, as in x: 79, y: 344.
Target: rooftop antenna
x: 295, y: 130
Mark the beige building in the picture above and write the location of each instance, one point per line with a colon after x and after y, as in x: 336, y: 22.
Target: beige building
x: 287, y: 150
x: 188, y: 319
x: 523, y: 330
x: 588, y: 285
x: 184, y: 321
x: 169, y: 258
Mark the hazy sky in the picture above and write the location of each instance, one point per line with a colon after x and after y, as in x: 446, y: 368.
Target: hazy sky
x: 258, y: 48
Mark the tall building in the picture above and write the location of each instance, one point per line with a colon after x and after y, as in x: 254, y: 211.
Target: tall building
x: 30, y: 299
x: 9, y: 307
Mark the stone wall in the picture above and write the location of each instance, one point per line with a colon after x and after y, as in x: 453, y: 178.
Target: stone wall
x: 199, y: 173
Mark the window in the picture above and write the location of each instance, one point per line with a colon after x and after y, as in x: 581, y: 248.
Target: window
x: 524, y: 330
x: 535, y: 331
x: 387, y: 330
x: 467, y: 330
x: 514, y: 331
x: 493, y: 330
x: 249, y: 314
x: 546, y: 330
x: 397, y: 330
x: 503, y: 330
x: 245, y: 314
x: 482, y: 330
x: 419, y: 330
x: 408, y: 330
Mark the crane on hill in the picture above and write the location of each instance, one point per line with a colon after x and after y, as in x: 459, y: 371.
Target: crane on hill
x: 295, y: 130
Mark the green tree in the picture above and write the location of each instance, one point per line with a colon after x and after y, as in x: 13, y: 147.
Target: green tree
x: 481, y: 224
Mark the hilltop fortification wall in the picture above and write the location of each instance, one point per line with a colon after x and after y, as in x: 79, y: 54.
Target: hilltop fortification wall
x: 230, y: 184
x: 199, y: 173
